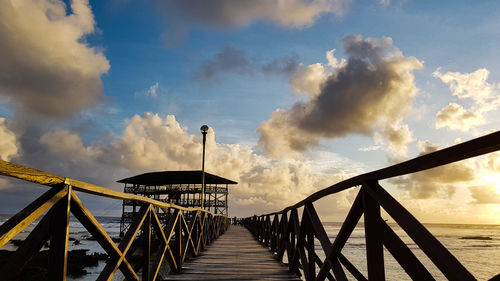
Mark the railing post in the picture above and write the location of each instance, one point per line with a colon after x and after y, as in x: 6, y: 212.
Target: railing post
x: 437, y: 253
x: 267, y: 231
x: 178, y: 235
x: 59, y: 234
x: 310, y: 250
x: 274, y: 233
x: 374, y: 238
x: 283, y: 236
x: 146, y: 228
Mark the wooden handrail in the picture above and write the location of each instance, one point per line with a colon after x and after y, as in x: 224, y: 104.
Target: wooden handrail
x: 181, y: 235
x: 462, y: 151
x: 36, y: 176
x: 296, y: 238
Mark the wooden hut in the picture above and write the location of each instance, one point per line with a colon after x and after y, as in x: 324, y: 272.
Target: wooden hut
x: 183, y: 188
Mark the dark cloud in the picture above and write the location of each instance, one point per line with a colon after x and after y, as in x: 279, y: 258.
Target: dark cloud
x: 374, y: 89
x: 282, y: 66
x: 229, y: 60
x: 232, y: 60
x: 230, y: 13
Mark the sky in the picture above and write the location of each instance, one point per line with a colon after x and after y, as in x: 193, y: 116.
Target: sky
x: 298, y: 95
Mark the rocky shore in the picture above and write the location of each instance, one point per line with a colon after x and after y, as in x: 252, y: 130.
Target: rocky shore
x: 37, y: 268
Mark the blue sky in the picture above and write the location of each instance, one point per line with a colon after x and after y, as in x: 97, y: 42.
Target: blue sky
x: 97, y: 81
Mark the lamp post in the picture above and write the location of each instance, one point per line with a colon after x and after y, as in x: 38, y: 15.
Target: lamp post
x: 204, y: 130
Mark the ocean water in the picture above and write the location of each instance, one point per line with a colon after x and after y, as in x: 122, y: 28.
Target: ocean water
x: 477, y: 247
x: 480, y: 256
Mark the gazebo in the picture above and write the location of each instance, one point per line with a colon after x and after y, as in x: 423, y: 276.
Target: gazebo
x: 183, y: 188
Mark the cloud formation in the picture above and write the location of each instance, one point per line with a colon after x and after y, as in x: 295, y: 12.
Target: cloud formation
x: 369, y: 93
x: 8, y: 142
x: 486, y: 194
x: 456, y: 117
x: 473, y: 86
x: 308, y: 79
x: 282, y: 66
x: 229, y: 13
x: 232, y: 60
x: 151, y: 143
x: 46, y: 67
x: 229, y: 60
x: 437, y: 182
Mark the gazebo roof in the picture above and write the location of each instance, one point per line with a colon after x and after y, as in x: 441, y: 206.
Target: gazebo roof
x: 175, y: 177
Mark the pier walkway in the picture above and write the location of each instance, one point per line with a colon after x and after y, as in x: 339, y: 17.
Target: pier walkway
x: 164, y: 234
x: 236, y: 255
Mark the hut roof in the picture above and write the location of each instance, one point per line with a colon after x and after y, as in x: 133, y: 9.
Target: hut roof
x: 175, y: 177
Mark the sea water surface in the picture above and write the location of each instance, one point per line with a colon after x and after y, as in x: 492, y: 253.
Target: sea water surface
x: 477, y: 247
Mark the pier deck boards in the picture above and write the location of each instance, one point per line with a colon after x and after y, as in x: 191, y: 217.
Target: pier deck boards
x: 236, y: 255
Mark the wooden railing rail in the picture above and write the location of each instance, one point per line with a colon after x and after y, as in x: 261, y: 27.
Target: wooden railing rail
x: 282, y: 232
x: 187, y: 232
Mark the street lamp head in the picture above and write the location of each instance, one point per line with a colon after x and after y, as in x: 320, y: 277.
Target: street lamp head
x: 204, y: 129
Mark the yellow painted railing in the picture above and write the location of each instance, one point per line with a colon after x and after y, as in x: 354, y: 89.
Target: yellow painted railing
x: 187, y: 231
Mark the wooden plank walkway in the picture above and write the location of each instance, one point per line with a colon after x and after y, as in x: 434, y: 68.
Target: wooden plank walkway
x: 235, y: 255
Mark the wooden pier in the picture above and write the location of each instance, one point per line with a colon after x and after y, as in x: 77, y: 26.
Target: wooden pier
x: 236, y: 255
x: 190, y: 241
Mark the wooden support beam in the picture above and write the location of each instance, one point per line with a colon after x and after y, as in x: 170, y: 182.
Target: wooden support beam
x: 27, y: 250
x: 25, y: 217
x: 438, y: 254
x: 403, y: 255
x: 113, y: 264
x: 373, y: 238
x: 160, y: 255
x: 169, y: 232
x: 319, y: 262
x: 322, y: 236
x: 345, y: 231
x: 311, y: 266
x: 351, y: 268
x: 97, y: 231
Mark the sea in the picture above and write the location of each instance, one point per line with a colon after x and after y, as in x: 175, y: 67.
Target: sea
x: 477, y: 247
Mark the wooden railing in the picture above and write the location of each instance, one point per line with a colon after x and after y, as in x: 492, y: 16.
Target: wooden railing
x: 282, y: 232
x: 187, y: 231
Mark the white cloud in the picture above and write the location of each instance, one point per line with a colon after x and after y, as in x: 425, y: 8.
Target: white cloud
x: 8, y: 142
x: 46, y: 66
x: 370, y: 148
x: 485, y: 194
x: 398, y: 136
x: 467, y: 86
x: 153, y: 90
x: 308, y: 79
x: 455, y: 117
